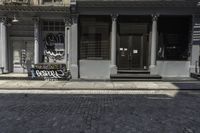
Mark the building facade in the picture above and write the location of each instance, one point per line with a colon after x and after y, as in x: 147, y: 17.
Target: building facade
x: 97, y: 39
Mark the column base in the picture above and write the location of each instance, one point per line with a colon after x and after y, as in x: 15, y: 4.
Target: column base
x: 113, y: 69
x: 192, y: 69
x: 74, y: 71
x: 3, y: 71
x: 153, y: 69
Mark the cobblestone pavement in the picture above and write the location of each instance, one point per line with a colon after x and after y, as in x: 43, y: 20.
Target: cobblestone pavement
x: 31, y: 113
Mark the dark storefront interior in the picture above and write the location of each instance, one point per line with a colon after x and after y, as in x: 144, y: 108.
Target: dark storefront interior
x: 133, y: 39
x: 94, y: 33
x: 174, y: 37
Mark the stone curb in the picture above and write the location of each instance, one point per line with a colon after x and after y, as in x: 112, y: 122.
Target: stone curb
x: 46, y: 85
x: 112, y: 89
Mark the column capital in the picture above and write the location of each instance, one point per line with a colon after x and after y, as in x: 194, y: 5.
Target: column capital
x: 36, y: 19
x: 155, y: 17
x: 68, y: 21
x: 114, y: 17
x: 74, y: 18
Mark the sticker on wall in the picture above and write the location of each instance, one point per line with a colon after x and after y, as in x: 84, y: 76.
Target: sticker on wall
x: 135, y: 51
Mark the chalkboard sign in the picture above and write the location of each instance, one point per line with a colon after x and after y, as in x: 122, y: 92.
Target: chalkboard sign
x: 196, y: 30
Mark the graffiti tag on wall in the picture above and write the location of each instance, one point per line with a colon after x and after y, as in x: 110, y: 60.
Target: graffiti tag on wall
x: 53, y: 74
x: 50, y: 71
x: 54, y: 46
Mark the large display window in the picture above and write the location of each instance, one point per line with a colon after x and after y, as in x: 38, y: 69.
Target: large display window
x: 95, y: 37
x: 53, y: 41
x: 174, y: 37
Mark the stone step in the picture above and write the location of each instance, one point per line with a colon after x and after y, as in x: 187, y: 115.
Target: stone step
x: 133, y: 71
x: 135, y: 76
x: 195, y: 75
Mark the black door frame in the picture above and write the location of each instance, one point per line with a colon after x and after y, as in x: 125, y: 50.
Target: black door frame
x: 130, y: 54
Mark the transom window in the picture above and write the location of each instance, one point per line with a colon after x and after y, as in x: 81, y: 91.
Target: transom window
x: 53, y: 25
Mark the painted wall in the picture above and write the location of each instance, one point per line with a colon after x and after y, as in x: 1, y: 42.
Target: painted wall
x: 173, y: 68
x: 94, y: 69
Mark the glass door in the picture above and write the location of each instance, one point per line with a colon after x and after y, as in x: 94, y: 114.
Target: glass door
x: 23, y: 54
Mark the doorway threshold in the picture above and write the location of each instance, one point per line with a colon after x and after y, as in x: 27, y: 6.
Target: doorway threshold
x: 134, y: 71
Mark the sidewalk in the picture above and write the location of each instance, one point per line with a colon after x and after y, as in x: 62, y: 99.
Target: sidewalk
x: 100, y: 85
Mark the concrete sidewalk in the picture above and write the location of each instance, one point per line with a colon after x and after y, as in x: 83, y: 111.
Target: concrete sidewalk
x: 91, y: 85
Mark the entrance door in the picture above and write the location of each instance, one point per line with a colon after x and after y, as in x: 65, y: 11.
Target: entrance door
x: 131, y: 52
x: 23, y: 54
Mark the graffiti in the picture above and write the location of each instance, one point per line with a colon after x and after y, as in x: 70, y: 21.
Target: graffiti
x: 56, y: 74
x: 51, y: 72
x: 54, y: 46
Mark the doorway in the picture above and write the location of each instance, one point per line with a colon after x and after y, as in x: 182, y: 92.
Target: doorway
x: 23, y: 55
x: 131, y: 52
x: 133, y: 40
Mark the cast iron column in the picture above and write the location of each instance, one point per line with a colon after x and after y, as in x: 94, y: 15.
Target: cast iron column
x: 36, y: 40
x: 3, y: 43
x: 74, y: 47
x: 113, y: 66
x: 153, y: 43
x: 67, y: 40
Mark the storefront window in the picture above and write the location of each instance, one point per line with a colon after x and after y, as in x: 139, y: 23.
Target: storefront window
x: 174, y: 37
x: 53, y: 39
x: 95, y: 37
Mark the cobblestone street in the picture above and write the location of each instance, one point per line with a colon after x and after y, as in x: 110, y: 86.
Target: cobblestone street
x: 31, y: 113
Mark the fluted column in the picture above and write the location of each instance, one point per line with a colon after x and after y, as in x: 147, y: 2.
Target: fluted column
x: 113, y: 66
x: 67, y: 40
x: 74, y: 47
x: 3, y: 43
x: 36, y: 40
x: 153, y: 42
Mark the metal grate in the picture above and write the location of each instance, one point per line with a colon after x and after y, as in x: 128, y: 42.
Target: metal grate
x: 92, y: 47
x: 94, y: 37
x: 53, y: 26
